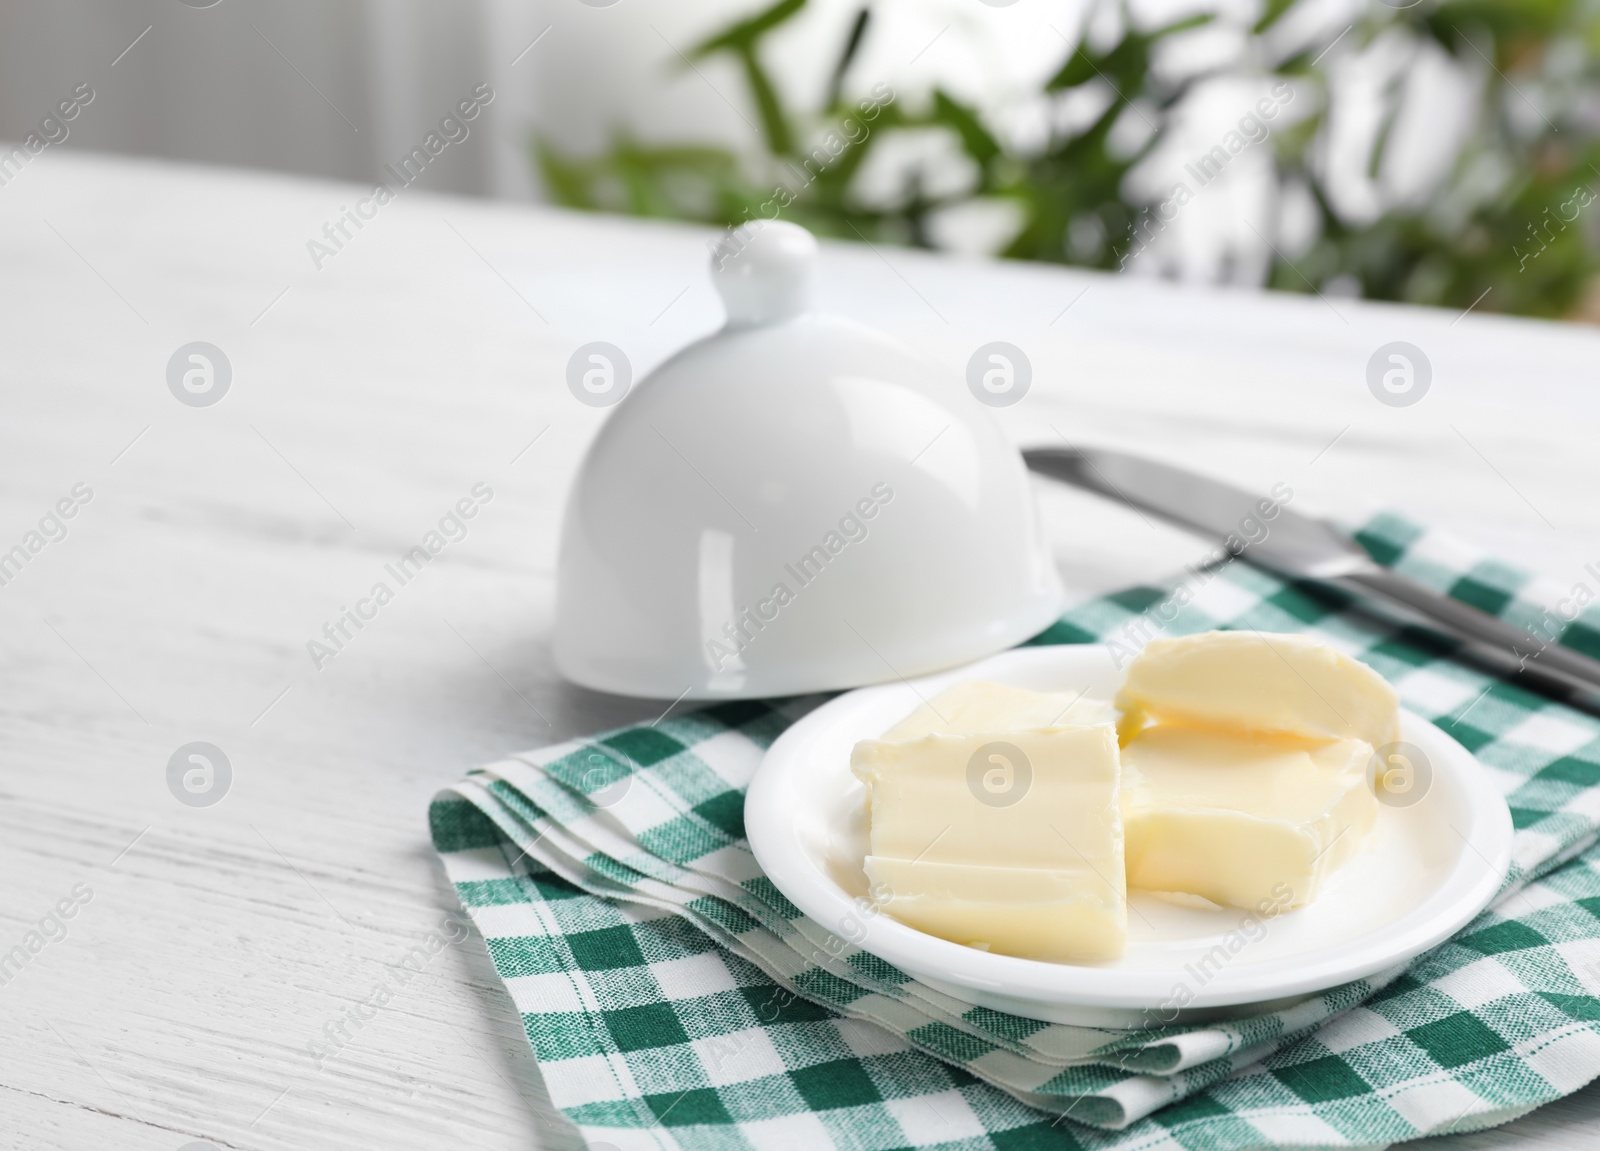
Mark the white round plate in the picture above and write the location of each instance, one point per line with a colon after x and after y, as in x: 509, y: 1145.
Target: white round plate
x: 1426, y: 870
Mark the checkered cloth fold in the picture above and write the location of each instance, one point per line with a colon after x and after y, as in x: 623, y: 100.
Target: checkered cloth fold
x: 674, y: 998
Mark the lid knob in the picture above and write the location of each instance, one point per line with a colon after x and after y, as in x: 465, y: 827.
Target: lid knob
x: 763, y: 271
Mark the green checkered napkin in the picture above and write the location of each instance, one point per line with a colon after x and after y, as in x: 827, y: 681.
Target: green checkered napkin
x: 674, y: 998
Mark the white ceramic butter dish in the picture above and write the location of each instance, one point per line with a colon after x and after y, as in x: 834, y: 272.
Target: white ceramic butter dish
x: 1425, y: 871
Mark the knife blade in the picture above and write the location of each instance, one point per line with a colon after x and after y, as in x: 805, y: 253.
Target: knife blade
x: 1263, y: 532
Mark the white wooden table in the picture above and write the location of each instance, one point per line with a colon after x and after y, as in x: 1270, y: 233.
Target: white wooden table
x: 366, y: 399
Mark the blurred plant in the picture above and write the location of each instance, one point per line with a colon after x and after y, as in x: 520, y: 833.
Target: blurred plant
x: 1505, y: 227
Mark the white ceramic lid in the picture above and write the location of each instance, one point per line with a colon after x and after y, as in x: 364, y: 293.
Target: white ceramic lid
x: 794, y: 504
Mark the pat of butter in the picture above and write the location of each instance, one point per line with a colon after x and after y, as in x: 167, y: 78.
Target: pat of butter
x: 977, y: 706
x: 1062, y: 916
x: 1246, y: 681
x: 1006, y: 838
x: 1242, y: 819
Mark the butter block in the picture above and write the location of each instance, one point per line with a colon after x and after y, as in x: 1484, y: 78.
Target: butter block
x: 1065, y: 916
x: 1248, y: 681
x: 978, y: 706
x: 1242, y: 819
x: 976, y: 843
x: 923, y: 803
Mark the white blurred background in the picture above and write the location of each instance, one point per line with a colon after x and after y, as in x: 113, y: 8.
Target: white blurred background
x: 339, y: 88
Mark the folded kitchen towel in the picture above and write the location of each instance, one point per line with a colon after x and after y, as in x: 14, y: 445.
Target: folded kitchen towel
x: 674, y: 998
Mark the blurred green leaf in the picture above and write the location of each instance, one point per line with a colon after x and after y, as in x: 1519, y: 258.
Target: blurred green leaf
x: 1524, y: 246
x: 852, y: 45
x: 744, y: 40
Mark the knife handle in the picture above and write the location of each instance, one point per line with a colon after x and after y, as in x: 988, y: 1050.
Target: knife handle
x: 1508, y: 649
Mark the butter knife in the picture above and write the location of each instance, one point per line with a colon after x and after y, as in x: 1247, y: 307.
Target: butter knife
x: 1290, y: 543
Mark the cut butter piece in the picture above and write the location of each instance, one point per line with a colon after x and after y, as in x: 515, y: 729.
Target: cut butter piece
x: 1052, y: 807
x: 1005, y: 838
x: 1247, y: 681
x: 978, y: 706
x: 1064, y: 916
x: 1253, y: 821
